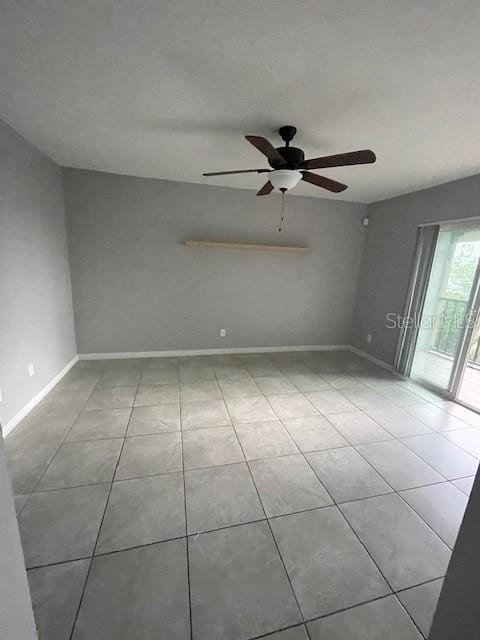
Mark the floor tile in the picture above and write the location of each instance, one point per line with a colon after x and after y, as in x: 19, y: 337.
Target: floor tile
x: 150, y: 455
x: 319, y: 548
x: 139, y: 593
x: 435, y: 418
x: 346, y: 475
x: 398, y: 395
x: 288, y: 484
x: 39, y: 430
x: 330, y: 401
x: 421, y: 603
x: 56, y: 526
x: 470, y: 417
x: 211, y: 447
x: 251, y: 409
x: 159, y: 376
x: 228, y: 498
x: 358, y: 428
x: 230, y: 372
x: 294, y: 633
x: 160, y: 363
x: 143, y: 511
x: 265, y: 440
x: 20, y: 502
x: 275, y: 384
x: 262, y: 369
x: 398, y: 422
x: 464, y: 484
x: 79, y: 463
x: 400, y: 467
x: 366, y: 399
x: 290, y: 369
x: 342, y: 381
x: 200, y: 391
x: 221, y: 497
x: 441, y: 506
x: 202, y: 415
x: 56, y: 591
x: 100, y: 425
x: 448, y: 459
x: 383, y: 619
x: 292, y: 405
x: 154, y: 419
x: 26, y: 465
x: 111, y: 398
x: 63, y: 400
x: 119, y: 379
x: 239, y: 388
x: 467, y: 439
x: 54, y: 414
x: 196, y: 374
x: 314, y: 433
x: 239, y: 588
x: 308, y: 382
x: 153, y: 394
x: 424, y: 393
x: 402, y: 545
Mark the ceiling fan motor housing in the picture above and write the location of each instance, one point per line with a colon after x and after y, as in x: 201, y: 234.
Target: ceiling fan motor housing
x: 293, y: 158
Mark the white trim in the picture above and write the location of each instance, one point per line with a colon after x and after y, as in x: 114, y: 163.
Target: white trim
x: 12, y: 423
x: 367, y: 356
x: 210, y: 352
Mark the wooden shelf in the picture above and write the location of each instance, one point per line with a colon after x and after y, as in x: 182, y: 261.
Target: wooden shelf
x: 209, y: 244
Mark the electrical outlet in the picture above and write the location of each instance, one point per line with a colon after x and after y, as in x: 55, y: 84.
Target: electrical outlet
x: 223, y: 333
x: 31, y: 369
x: 369, y: 337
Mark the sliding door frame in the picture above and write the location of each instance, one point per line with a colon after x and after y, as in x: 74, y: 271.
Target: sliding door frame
x: 416, y: 293
x: 462, y: 358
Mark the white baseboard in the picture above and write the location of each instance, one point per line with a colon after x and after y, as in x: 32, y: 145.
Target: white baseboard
x: 367, y: 356
x: 209, y: 352
x: 12, y: 423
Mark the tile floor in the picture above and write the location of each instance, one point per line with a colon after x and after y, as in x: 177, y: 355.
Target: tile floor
x: 291, y: 496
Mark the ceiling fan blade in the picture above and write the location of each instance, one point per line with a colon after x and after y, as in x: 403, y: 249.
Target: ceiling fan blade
x: 325, y: 183
x: 264, y: 146
x: 340, y: 160
x: 226, y: 173
x: 266, y: 189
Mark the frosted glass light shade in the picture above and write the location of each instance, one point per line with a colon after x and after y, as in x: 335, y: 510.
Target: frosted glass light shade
x: 284, y: 178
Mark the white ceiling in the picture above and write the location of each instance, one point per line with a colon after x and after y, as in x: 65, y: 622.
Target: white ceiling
x: 168, y: 88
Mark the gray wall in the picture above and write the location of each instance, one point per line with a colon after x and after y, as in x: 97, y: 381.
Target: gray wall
x: 388, y: 255
x: 458, y: 613
x: 36, y: 320
x: 137, y: 288
x: 16, y: 615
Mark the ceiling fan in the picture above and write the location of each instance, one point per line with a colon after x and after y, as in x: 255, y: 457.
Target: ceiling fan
x: 289, y: 165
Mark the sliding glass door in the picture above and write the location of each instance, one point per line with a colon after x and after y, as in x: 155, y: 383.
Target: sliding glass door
x: 444, y: 294
x: 468, y: 385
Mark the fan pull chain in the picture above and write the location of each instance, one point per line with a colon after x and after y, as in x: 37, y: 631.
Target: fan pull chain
x: 282, y: 211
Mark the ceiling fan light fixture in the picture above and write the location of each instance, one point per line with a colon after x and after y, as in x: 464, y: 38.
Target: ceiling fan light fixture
x: 284, y: 178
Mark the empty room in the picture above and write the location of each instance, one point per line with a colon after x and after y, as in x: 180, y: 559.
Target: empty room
x: 239, y: 327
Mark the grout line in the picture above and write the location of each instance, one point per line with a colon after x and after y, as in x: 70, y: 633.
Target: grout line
x: 54, y: 564
x: 378, y: 568
x: 187, y: 544
x: 66, y: 434
x: 92, y: 557
x: 266, y: 517
x: 398, y: 493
